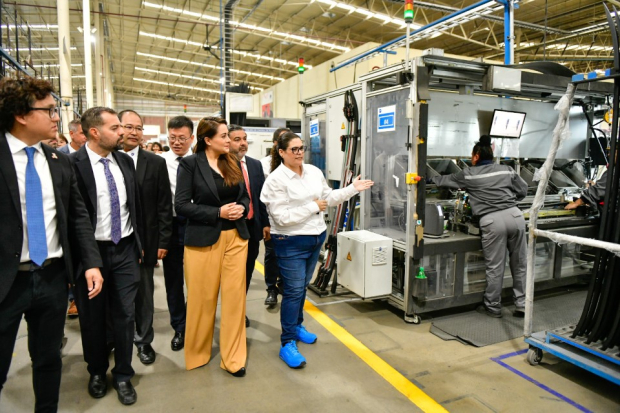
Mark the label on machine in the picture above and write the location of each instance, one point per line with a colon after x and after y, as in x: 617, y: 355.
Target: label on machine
x: 387, y: 119
x: 314, y: 128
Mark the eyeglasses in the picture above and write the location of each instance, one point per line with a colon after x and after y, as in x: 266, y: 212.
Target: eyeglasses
x: 298, y: 149
x: 54, y: 111
x: 175, y: 139
x: 130, y: 128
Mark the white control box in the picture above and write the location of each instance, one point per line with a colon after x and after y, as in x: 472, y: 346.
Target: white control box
x: 364, y: 263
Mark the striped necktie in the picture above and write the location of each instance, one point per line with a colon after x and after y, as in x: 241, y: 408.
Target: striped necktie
x: 115, y: 204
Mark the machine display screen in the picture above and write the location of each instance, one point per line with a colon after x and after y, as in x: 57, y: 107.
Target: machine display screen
x: 507, y: 124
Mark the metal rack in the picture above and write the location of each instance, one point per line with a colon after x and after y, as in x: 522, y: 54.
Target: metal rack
x: 590, y: 354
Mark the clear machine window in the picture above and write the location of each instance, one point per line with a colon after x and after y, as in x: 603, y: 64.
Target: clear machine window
x: 439, y: 270
x: 387, y: 160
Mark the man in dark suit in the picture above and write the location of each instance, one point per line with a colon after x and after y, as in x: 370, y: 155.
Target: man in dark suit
x: 78, y: 139
x: 180, y: 137
x: 258, y: 220
x: 156, y: 201
x: 42, y: 217
x: 106, y: 179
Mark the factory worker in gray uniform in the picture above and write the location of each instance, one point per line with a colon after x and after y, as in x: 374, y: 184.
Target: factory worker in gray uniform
x: 494, y: 191
x: 592, y: 195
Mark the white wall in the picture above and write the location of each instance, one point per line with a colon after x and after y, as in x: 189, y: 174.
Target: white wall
x: 319, y: 80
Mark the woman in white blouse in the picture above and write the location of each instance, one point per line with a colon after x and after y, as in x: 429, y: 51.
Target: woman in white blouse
x: 296, y: 195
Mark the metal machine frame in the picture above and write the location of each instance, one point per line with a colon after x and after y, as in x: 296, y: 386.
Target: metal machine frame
x: 414, y: 83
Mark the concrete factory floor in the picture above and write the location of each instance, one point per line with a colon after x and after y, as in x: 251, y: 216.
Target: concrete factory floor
x: 366, y: 360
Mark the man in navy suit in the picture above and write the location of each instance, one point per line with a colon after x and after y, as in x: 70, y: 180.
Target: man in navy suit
x: 258, y: 220
x: 45, y: 233
x: 106, y: 179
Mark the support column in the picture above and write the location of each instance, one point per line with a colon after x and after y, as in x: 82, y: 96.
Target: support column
x: 99, y: 73
x: 64, y: 61
x: 108, y: 85
x: 88, y: 61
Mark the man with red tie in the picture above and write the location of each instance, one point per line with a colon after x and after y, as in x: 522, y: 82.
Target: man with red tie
x: 258, y: 220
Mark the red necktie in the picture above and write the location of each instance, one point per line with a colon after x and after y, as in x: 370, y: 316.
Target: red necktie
x: 247, y: 185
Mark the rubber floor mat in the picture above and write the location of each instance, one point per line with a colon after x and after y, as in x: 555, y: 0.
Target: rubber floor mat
x: 481, y: 330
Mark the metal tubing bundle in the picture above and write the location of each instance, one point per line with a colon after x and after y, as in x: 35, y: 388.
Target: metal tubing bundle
x: 349, y: 172
x: 600, y: 320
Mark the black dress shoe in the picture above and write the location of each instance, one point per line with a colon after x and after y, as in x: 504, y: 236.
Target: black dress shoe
x: 126, y: 393
x: 178, y: 341
x: 146, y: 354
x: 247, y: 321
x: 238, y: 373
x: 97, y: 386
x: 272, y: 297
x: 519, y: 312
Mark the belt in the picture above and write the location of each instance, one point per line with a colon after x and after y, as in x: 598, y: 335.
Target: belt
x: 31, y: 266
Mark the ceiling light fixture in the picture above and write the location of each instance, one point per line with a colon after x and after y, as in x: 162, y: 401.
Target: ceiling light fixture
x: 138, y: 79
x: 262, y: 31
x: 236, y: 52
x: 171, y: 59
x: 202, y: 79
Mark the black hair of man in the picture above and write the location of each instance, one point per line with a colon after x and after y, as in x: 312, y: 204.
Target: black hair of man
x: 234, y: 128
x: 122, y: 113
x: 92, y: 118
x: 17, y: 97
x: 179, y: 122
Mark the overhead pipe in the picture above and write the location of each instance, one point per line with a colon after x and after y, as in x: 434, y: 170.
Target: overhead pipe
x: 509, y: 29
x: 398, y: 39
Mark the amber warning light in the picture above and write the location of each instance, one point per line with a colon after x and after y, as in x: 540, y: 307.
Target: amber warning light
x: 409, y: 11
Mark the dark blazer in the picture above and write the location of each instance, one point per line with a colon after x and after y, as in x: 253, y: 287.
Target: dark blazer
x: 156, y: 201
x: 88, y: 189
x: 64, y: 149
x: 257, y: 179
x: 197, y: 199
x: 73, y: 225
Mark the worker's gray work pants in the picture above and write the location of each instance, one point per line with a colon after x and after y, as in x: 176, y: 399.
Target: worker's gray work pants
x: 503, y: 230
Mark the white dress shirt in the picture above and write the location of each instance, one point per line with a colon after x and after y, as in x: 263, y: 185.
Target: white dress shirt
x: 173, y: 166
x: 244, y: 165
x: 71, y: 150
x: 103, y: 231
x: 134, y: 155
x: 290, y: 200
x: 266, y: 162
x: 20, y: 160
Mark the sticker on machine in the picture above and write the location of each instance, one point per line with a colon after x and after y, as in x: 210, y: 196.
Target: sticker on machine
x: 314, y: 128
x: 387, y: 119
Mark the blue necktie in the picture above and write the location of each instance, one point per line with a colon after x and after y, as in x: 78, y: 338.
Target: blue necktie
x: 115, y: 205
x: 37, y: 241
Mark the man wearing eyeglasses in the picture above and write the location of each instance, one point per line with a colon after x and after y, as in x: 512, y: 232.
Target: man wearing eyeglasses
x: 156, y: 201
x: 45, y: 231
x: 180, y: 138
x: 78, y: 139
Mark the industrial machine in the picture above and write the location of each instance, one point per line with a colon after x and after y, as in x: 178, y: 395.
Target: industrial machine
x: 422, y: 118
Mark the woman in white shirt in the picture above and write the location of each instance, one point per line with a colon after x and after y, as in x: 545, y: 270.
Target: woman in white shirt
x: 296, y: 195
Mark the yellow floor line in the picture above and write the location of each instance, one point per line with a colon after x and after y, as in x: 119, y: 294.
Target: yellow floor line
x: 391, y: 375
